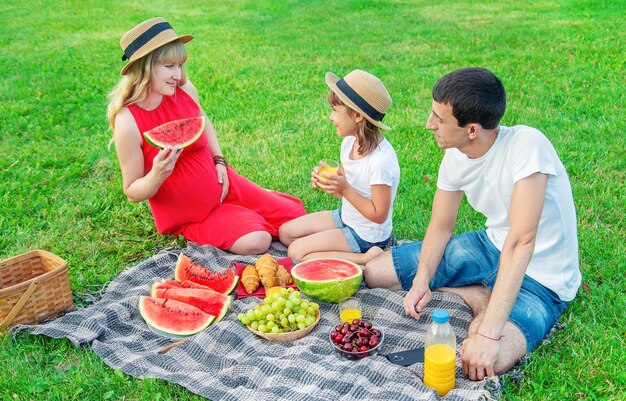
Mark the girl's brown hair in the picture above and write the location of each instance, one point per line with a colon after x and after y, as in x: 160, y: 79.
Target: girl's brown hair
x: 367, y: 134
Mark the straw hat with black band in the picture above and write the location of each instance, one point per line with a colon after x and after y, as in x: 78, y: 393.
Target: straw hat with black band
x: 147, y: 37
x: 362, y: 92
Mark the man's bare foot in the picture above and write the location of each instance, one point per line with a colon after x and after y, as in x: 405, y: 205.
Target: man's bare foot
x: 473, y: 327
x: 476, y: 297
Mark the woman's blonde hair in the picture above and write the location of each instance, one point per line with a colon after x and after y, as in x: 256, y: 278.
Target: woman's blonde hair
x: 134, y: 85
x: 367, y: 134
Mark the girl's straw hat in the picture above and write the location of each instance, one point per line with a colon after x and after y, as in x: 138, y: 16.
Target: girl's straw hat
x: 362, y: 92
x: 147, y: 37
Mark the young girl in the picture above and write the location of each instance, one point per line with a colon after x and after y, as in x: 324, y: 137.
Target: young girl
x: 192, y: 192
x: 366, y: 181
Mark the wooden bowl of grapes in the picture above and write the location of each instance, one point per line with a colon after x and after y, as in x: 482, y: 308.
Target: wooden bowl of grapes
x: 282, y: 316
x: 288, y: 336
x: 357, y: 339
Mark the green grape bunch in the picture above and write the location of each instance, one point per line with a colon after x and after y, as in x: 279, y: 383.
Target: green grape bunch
x: 281, y: 312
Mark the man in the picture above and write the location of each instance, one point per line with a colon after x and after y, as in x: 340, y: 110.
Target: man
x: 517, y: 275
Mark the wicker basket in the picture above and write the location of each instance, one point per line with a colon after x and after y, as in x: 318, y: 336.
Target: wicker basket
x: 34, y: 287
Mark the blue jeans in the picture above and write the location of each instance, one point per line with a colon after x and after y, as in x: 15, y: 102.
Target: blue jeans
x: 471, y: 258
x: 356, y: 243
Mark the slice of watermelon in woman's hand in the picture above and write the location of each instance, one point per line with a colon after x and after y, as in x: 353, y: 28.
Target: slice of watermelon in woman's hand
x: 176, y: 134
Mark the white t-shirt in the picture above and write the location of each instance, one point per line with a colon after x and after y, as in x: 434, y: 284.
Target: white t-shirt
x: 488, y: 181
x: 379, y: 167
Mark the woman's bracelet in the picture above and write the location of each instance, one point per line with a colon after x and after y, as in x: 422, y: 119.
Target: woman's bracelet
x: 490, y: 338
x: 220, y: 160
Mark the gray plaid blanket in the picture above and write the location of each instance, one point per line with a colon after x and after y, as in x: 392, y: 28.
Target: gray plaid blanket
x: 228, y: 362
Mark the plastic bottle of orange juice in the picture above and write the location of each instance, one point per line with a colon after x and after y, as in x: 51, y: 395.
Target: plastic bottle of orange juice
x: 440, y: 354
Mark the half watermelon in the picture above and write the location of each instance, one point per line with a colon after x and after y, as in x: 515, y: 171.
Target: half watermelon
x: 221, y: 282
x: 172, y: 317
x: 177, y: 134
x: 208, y: 301
x: 329, y: 280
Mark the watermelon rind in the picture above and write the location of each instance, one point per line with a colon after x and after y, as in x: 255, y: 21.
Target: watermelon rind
x: 234, y: 283
x: 224, y: 310
x: 185, y: 269
x: 333, y: 288
x: 173, y: 318
x: 151, y: 135
x: 182, y: 263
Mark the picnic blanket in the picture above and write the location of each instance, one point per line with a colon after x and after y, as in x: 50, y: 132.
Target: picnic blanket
x: 229, y: 362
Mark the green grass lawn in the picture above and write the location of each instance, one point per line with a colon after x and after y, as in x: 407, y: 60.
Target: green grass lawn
x: 259, y: 68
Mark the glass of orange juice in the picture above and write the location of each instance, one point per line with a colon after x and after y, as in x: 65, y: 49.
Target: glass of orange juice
x: 274, y: 285
x: 350, y: 309
x: 328, y: 168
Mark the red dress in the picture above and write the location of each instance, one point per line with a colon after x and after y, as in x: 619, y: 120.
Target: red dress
x: 188, y: 203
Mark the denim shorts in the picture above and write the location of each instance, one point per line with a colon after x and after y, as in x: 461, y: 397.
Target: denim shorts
x: 471, y: 258
x: 356, y: 243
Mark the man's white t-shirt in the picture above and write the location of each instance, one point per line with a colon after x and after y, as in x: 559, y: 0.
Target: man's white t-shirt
x: 380, y: 167
x: 488, y: 181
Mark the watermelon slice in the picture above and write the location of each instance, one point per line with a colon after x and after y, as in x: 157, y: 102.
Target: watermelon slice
x: 208, y: 301
x: 221, y: 282
x: 177, y: 134
x: 172, y: 317
x: 176, y: 284
x: 329, y: 280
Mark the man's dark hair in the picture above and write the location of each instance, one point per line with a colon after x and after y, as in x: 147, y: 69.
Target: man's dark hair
x: 476, y: 96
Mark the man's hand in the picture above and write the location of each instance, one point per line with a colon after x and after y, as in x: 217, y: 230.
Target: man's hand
x: 416, y: 300
x: 478, y: 356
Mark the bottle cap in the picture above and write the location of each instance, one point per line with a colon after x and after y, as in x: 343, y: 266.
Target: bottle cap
x: 440, y: 316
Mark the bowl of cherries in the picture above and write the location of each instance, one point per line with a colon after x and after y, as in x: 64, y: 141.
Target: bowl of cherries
x: 356, y: 339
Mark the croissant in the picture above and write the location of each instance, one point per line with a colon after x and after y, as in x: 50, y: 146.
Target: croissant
x: 266, y: 267
x: 284, y: 274
x: 250, y: 279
